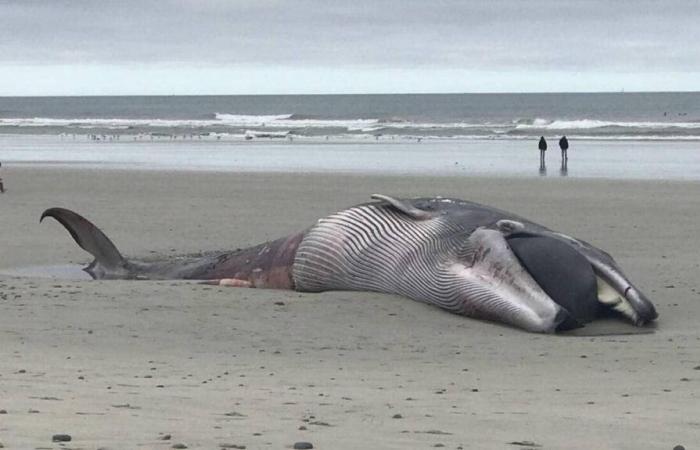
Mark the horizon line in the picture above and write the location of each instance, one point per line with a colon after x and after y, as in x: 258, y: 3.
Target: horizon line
x: 364, y: 93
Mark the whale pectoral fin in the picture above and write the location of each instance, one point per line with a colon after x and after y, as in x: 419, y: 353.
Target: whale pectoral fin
x: 404, y: 207
x: 563, y: 273
x: 230, y: 282
x: 89, y: 238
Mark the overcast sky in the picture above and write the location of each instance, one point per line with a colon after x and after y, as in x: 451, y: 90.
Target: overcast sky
x: 63, y: 47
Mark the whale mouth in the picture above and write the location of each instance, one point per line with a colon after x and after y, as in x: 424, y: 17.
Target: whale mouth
x: 581, y: 279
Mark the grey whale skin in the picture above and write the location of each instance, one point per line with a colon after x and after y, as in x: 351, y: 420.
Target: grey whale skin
x: 467, y: 258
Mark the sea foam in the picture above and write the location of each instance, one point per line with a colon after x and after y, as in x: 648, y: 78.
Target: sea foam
x: 275, y: 125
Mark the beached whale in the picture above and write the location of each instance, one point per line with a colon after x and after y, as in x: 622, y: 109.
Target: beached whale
x: 467, y: 258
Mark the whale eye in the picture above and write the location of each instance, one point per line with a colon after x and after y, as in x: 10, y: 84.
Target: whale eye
x: 509, y: 226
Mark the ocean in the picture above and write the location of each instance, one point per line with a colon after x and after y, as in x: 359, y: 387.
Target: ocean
x: 647, y: 135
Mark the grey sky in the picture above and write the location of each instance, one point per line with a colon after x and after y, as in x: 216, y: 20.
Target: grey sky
x: 217, y: 46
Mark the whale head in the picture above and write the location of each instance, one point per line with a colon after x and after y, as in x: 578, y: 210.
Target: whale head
x: 583, y: 279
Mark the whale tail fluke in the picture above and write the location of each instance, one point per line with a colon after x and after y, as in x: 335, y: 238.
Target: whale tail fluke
x: 108, y: 263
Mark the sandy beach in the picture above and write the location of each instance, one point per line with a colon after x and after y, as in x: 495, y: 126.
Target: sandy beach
x: 123, y: 364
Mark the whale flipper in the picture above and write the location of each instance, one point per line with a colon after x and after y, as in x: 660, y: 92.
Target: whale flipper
x: 92, y: 240
x: 563, y: 273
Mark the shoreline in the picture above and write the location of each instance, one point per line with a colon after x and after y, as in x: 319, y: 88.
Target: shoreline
x: 204, y: 171
x: 159, y: 136
x: 640, y: 160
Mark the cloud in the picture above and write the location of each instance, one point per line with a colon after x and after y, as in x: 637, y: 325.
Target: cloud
x: 536, y: 35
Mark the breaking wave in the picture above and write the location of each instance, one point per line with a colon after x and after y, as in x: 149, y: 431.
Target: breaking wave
x: 587, y: 124
x: 291, y: 124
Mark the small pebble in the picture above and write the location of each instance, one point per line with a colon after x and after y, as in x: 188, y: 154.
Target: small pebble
x: 678, y: 447
x: 179, y: 446
x: 165, y: 437
x: 397, y: 416
x: 3, y: 411
x: 303, y: 445
x: 61, y: 438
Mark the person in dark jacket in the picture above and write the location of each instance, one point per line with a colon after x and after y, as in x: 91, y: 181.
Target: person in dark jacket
x: 543, y: 148
x: 2, y: 186
x: 564, y: 146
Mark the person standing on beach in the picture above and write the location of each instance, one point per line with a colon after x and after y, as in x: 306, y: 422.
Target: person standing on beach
x: 543, y: 148
x: 2, y: 186
x: 564, y: 146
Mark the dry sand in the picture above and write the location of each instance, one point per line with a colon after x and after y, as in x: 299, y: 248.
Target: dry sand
x: 120, y: 364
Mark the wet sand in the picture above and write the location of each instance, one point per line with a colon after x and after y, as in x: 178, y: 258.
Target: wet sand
x: 119, y: 364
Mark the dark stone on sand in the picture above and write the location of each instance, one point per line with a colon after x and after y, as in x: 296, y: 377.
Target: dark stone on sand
x: 397, y: 416
x: 303, y: 445
x: 61, y: 438
x: 320, y: 423
x: 678, y: 447
x: 3, y: 411
x: 165, y: 437
x: 179, y: 446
